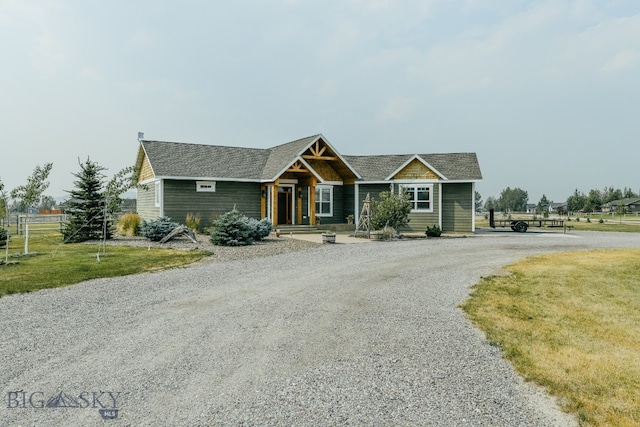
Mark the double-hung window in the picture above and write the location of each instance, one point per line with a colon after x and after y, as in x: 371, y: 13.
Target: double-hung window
x: 420, y: 196
x: 324, y: 200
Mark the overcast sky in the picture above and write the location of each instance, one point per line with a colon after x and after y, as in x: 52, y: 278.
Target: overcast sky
x: 547, y: 93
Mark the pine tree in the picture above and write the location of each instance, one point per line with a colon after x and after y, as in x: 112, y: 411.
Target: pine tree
x: 85, y: 209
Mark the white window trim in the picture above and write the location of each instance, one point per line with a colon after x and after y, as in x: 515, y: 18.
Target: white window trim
x: 330, y: 188
x: 413, y: 202
x: 205, y: 186
x: 158, y: 193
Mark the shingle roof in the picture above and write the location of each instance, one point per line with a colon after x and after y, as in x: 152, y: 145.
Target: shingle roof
x: 625, y: 202
x: 195, y: 160
x: 281, y: 155
x: 175, y: 159
x: 454, y: 166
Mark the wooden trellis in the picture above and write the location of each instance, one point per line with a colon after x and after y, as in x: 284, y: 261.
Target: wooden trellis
x: 364, y: 222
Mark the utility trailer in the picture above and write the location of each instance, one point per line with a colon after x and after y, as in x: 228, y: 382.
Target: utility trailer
x: 522, y: 225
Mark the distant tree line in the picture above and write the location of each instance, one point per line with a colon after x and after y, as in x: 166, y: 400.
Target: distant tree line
x: 510, y: 200
x: 595, y: 199
x: 516, y: 200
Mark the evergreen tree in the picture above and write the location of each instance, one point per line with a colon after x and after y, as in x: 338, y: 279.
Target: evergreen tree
x: 478, y: 200
x: 544, y: 202
x: 491, y: 203
x: 86, y: 208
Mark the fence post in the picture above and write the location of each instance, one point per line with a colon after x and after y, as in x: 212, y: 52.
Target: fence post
x: 26, y: 237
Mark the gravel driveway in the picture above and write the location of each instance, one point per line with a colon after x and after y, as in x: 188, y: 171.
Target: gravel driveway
x: 339, y: 335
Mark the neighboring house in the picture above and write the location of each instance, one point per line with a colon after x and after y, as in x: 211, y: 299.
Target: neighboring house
x: 306, y: 181
x: 560, y: 207
x: 531, y: 208
x: 631, y: 205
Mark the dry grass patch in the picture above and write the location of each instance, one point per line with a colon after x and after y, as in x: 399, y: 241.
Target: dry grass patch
x: 571, y: 323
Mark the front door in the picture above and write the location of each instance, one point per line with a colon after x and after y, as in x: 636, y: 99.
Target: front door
x: 285, y: 205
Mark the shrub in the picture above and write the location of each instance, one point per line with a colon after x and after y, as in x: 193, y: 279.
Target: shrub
x: 434, y: 231
x: 392, y: 210
x: 129, y: 224
x: 3, y: 237
x: 261, y: 229
x: 601, y: 221
x: 192, y: 221
x: 157, y: 229
x: 577, y: 219
x: 232, y: 229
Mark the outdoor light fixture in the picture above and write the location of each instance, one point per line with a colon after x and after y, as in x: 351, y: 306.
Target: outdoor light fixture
x: 299, y: 194
x: 264, y: 193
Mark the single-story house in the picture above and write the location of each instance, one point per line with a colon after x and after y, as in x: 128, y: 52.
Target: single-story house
x: 559, y: 207
x: 630, y: 205
x: 306, y: 181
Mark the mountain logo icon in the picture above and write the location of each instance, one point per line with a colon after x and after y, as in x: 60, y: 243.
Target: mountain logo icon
x: 62, y: 400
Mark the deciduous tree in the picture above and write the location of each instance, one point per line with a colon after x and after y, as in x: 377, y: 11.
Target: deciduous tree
x: 31, y: 193
x: 513, y: 200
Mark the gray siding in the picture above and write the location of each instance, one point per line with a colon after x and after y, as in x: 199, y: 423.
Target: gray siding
x: 348, y: 196
x: 181, y: 198
x: 338, y: 208
x: 373, y: 190
x: 418, y: 221
x: 146, y: 203
x: 457, y: 207
x: 305, y: 205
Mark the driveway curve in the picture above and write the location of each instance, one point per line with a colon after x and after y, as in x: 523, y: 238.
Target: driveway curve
x: 336, y: 335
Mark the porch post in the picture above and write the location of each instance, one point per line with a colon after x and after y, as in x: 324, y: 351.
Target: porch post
x: 298, y: 192
x: 312, y: 201
x: 274, y: 202
x: 263, y: 202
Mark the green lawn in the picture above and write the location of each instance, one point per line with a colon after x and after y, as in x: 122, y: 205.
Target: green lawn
x: 57, y: 264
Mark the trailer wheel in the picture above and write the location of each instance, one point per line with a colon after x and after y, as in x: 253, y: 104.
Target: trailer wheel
x: 521, y: 227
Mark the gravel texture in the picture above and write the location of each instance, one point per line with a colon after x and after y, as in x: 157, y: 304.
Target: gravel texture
x: 267, y: 247
x: 355, y: 335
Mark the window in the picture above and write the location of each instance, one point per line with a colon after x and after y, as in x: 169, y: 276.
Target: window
x: 324, y: 200
x: 419, y: 196
x: 206, y: 186
x: 158, y: 193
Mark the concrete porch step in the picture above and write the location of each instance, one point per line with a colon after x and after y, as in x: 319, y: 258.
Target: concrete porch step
x: 298, y: 229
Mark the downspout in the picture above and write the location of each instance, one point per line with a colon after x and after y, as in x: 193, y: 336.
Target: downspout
x: 161, y: 190
x: 473, y: 207
x: 440, y: 205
